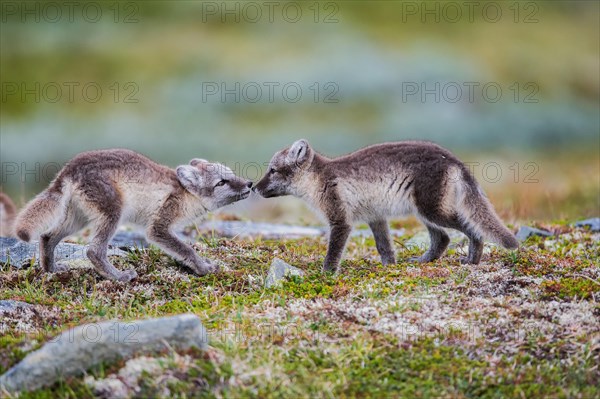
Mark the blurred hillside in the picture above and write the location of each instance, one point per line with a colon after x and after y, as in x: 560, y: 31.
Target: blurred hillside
x: 506, y: 82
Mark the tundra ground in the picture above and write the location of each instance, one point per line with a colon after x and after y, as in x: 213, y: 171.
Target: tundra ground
x: 521, y: 324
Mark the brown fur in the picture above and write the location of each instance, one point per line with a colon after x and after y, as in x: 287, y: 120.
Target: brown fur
x: 8, y: 211
x: 383, y: 181
x: 105, y: 188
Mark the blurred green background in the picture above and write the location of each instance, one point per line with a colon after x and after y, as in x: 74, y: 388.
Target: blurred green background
x: 511, y: 87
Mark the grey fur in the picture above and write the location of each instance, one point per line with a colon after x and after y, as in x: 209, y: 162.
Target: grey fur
x: 105, y: 188
x: 383, y: 181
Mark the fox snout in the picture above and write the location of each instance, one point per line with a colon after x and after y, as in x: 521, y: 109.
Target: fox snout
x: 262, y: 188
x: 246, y: 186
x: 247, y: 189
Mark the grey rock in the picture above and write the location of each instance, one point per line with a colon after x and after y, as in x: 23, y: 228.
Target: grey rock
x: 9, y: 306
x: 128, y: 240
x: 593, y: 223
x: 265, y: 230
x: 525, y: 232
x: 273, y: 231
x: 421, y: 240
x: 279, y: 269
x: 19, y: 254
x: 75, y: 351
x: 369, y: 233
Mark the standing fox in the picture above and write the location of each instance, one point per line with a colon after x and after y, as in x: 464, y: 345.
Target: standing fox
x: 383, y: 181
x: 104, y: 188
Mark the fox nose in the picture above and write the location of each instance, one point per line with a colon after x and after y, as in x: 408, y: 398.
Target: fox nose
x: 249, y: 184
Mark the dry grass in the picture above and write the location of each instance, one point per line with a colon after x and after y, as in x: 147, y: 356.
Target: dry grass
x: 522, y: 323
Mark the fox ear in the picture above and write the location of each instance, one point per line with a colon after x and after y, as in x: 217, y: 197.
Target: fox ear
x: 299, y: 152
x: 196, y: 161
x: 189, y: 177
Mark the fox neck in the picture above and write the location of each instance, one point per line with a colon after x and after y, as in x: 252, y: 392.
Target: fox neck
x: 195, y: 207
x: 309, y: 184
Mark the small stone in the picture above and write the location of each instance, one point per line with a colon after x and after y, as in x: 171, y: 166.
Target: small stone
x: 9, y: 306
x: 525, y: 232
x: 279, y: 269
x: 593, y: 223
x: 80, y: 348
x: 108, y: 388
x: 128, y: 240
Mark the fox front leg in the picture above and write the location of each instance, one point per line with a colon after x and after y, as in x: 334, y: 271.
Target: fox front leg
x: 166, y: 240
x: 338, y: 237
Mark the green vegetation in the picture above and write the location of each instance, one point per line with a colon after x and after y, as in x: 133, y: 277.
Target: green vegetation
x: 521, y: 324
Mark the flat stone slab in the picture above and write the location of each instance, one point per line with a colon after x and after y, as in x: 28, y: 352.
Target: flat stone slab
x: 369, y: 233
x: 265, y: 230
x: 273, y: 231
x: 593, y: 224
x: 128, y: 240
x: 77, y: 350
x: 421, y: 239
x: 19, y: 254
x: 525, y: 232
x: 279, y: 270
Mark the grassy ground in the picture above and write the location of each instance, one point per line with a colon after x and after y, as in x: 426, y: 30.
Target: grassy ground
x: 521, y: 324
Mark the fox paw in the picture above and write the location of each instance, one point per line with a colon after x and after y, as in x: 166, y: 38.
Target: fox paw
x: 330, y: 268
x: 425, y: 258
x: 59, y: 267
x: 205, y: 267
x: 467, y: 261
x: 127, y: 275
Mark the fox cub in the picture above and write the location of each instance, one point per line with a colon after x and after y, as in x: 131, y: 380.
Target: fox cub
x: 383, y: 181
x: 108, y: 187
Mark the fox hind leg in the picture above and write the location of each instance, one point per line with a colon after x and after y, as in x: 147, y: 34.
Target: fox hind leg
x: 69, y: 224
x: 383, y: 241
x: 103, y: 205
x: 48, y: 243
x: 475, y: 248
x: 439, y: 242
x: 105, y: 228
x: 475, y: 240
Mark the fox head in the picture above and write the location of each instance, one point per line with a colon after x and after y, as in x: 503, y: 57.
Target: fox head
x: 284, y: 169
x: 215, y: 184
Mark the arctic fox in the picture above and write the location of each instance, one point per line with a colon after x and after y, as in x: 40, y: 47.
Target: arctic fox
x: 107, y: 187
x: 383, y: 181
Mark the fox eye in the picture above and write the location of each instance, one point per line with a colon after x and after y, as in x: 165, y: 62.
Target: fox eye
x: 221, y: 183
x: 271, y: 171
